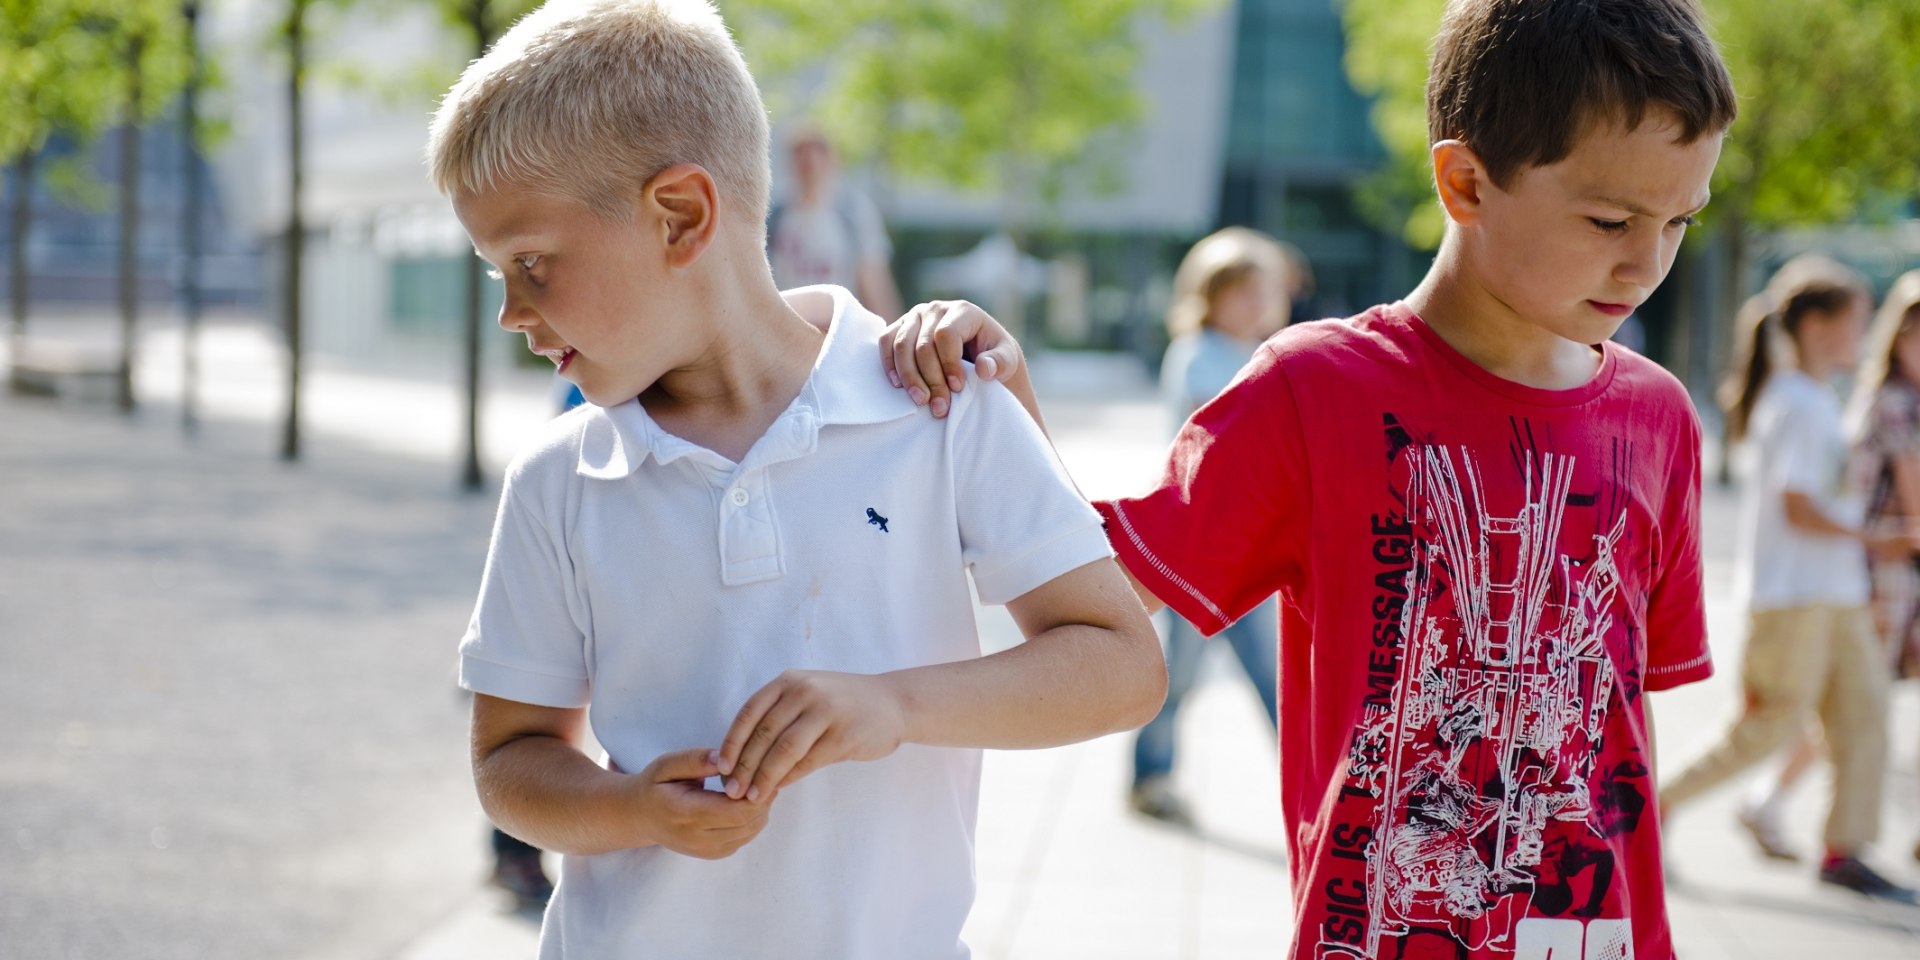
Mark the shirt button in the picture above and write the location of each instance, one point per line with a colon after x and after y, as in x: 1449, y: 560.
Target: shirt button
x: 739, y: 497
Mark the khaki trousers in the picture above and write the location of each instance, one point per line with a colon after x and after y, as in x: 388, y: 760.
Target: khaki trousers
x: 1800, y: 661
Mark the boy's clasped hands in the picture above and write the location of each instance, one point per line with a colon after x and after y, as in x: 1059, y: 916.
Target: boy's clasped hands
x: 800, y: 722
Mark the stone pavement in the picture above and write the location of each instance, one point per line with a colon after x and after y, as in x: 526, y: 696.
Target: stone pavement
x: 1065, y: 871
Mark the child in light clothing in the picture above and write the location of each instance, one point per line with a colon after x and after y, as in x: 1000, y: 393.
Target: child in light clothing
x: 1811, y: 646
x: 1230, y: 293
x: 706, y: 563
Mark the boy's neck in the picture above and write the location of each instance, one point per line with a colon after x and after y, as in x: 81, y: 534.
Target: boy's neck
x: 1465, y: 314
x: 757, y: 356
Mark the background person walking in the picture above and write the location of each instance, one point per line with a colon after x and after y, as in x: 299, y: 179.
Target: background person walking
x: 1230, y: 293
x: 1811, y: 645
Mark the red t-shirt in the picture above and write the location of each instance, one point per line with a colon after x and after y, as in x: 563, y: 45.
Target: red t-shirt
x: 1479, y: 581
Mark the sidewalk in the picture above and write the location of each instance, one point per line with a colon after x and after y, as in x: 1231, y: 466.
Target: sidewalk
x: 1064, y: 870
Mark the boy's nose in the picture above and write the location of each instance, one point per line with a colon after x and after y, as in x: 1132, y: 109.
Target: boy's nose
x: 1646, y: 262
x: 516, y: 316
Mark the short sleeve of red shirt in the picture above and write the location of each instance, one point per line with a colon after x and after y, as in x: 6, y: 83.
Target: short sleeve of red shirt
x: 1223, y: 528
x: 1676, y: 613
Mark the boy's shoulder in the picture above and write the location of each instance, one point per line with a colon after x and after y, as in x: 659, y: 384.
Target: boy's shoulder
x: 1373, y: 342
x: 554, y: 450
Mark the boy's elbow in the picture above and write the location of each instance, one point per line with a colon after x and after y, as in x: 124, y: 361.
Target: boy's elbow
x: 1147, y: 668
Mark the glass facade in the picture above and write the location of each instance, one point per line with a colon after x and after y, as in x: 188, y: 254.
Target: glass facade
x: 1299, y: 143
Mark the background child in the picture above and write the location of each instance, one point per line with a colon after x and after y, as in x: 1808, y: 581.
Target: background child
x: 1811, y: 647
x: 1230, y: 293
x: 1482, y: 519
x: 1885, y: 426
x: 1884, y: 421
x: 746, y: 558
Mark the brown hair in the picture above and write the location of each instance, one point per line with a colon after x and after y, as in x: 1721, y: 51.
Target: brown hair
x: 1899, y: 314
x: 1771, y: 320
x: 1216, y: 264
x: 1519, y: 80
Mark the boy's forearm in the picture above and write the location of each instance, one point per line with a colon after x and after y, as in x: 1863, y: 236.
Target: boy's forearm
x: 546, y: 792
x: 1071, y: 683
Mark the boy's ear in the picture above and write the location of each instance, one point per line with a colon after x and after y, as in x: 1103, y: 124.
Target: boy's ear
x: 684, y: 205
x: 1459, y: 176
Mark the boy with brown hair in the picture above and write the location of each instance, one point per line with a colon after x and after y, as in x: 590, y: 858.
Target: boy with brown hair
x: 1482, y: 518
x: 748, y: 556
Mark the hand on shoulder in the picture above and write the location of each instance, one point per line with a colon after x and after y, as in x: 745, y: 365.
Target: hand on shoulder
x: 922, y: 351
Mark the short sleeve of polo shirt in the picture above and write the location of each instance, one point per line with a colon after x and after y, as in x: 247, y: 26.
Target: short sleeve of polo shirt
x: 1226, y: 525
x: 1677, y: 650
x: 1022, y: 522
x: 524, y: 642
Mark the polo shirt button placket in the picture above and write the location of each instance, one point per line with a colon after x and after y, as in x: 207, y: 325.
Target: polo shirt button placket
x: 739, y: 496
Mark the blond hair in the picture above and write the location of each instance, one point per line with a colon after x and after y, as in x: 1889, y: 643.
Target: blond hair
x: 587, y: 100
x: 1217, y: 263
x: 1899, y: 313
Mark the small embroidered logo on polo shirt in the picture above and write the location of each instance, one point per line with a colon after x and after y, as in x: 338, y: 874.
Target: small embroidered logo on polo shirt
x: 877, y: 520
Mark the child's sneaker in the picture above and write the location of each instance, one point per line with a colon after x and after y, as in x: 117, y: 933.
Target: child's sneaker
x: 1766, y: 834
x: 1850, y: 873
x: 1154, y: 797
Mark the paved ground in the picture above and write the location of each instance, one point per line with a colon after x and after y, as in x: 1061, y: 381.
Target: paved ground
x: 232, y: 730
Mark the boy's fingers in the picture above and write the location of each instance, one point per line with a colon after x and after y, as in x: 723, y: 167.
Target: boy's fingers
x: 794, y: 746
x: 695, y: 764
x: 765, y: 733
x: 926, y: 358
x: 998, y: 363
x: 905, y: 335
x: 814, y: 760
x: 950, y: 343
x: 707, y: 810
x: 889, y: 338
x: 743, y: 723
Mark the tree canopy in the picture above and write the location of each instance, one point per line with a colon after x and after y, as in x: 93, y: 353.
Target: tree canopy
x: 62, y: 61
x: 981, y: 94
x: 1829, y: 95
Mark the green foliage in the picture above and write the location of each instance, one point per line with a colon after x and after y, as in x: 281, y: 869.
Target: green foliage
x: 1387, y: 46
x: 1829, y: 97
x: 1829, y: 100
x: 64, y: 65
x: 975, y: 93
x: 57, y: 64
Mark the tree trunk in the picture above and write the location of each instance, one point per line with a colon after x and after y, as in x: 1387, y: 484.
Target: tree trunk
x: 18, y: 276
x: 1733, y: 292
x: 296, y: 225
x: 470, y: 478
x: 190, y: 224
x: 130, y: 223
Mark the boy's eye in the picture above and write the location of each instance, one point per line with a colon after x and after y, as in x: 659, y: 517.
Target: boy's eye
x: 528, y: 261
x: 1687, y: 221
x: 1608, y: 226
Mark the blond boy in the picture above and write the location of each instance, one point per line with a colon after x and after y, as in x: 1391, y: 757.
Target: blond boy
x: 1481, y: 517
x: 708, y: 562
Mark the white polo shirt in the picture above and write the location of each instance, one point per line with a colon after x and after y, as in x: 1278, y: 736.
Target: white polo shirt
x: 1796, y: 442
x: 661, y: 584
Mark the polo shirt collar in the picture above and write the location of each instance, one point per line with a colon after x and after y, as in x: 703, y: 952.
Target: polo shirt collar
x: 847, y: 386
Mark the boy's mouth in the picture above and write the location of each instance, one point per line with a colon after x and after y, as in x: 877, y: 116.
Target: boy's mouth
x: 1611, y: 309
x: 561, y: 356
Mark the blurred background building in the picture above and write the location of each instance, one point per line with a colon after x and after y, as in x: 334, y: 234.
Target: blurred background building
x: 1249, y: 118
